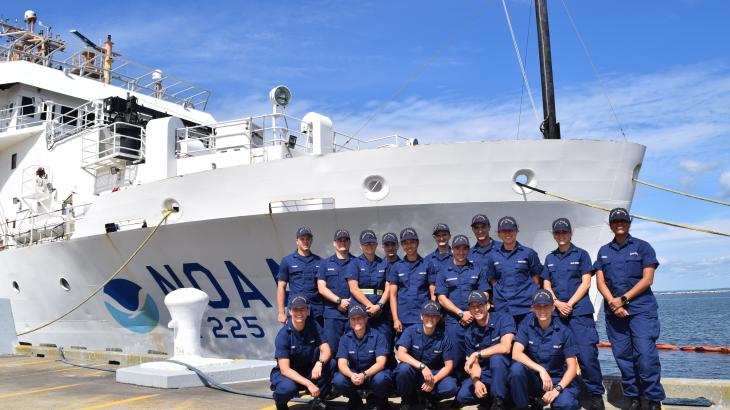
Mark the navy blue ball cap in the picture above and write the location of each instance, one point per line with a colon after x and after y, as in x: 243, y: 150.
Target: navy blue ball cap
x: 342, y: 233
x: 408, y: 233
x: 298, y: 301
x: 507, y: 223
x: 562, y: 225
x: 477, y: 296
x: 431, y: 308
x: 619, y: 214
x: 460, y: 240
x: 303, y: 231
x: 357, y: 310
x: 367, y: 236
x: 480, y: 219
x: 542, y: 297
x: 439, y: 227
x: 390, y: 237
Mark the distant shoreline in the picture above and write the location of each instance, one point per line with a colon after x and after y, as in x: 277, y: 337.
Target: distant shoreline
x: 683, y: 292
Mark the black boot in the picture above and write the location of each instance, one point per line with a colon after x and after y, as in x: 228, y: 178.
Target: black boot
x: 597, y: 402
x: 655, y: 405
x: 382, y: 404
x: 635, y: 404
x: 318, y: 404
x: 354, y: 403
x: 498, y: 404
x: 282, y: 406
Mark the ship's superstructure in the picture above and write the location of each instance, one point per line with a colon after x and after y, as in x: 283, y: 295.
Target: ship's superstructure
x: 90, y: 155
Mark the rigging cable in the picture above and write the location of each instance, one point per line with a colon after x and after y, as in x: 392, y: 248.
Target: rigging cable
x: 701, y: 198
x: 646, y: 218
x: 166, y: 214
x: 524, y: 58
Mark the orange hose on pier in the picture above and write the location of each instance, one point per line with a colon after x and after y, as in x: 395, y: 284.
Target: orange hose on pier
x: 665, y: 346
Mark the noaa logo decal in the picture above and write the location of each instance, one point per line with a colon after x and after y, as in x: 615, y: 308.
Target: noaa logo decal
x: 139, y: 312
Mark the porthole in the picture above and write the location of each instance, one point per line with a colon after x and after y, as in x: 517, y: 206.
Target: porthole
x: 526, y: 177
x: 16, y: 287
x: 64, y: 284
x: 171, y: 204
x: 375, y: 187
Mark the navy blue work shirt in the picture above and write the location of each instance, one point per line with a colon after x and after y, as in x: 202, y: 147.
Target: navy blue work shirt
x: 300, y: 272
x: 456, y: 282
x: 369, y: 276
x: 361, y: 353
x: 333, y: 271
x: 301, y: 348
x: 413, y: 280
x: 480, y: 338
x: 433, y: 350
x: 565, y: 272
x: 513, y: 272
x: 548, y: 347
x: 623, y: 267
x: 439, y: 260
x: 479, y: 255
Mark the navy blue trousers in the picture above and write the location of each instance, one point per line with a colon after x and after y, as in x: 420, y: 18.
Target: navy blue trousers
x: 526, y: 383
x: 380, y: 384
x: 333, y: 331
x: 286, y: 389
x: 586, y: 337
x: 495, y: 377
x: 408, y: 381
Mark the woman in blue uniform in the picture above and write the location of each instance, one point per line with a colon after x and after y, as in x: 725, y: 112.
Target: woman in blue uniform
x: 366, y: 279
x: 488, y: 345
x: 544, y: 359
x: 441, y: 256
x: 485, y: 245
x: 567, y: 273
x: 427, y: 358
x: 624, y: 275
x: 390, y: 248
x: 361, y: 358
x: 303, y: 358
x: 298, y: 270
x: 332, y: 285
x: 412, y: 283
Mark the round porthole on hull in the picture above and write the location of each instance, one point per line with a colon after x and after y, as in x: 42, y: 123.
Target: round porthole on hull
x: 523, y: 176
x: 375, y: 187
x: 64, y: 284
x: 16, y: 287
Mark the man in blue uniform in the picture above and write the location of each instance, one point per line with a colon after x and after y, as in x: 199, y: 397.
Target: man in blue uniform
x: 454, y: 282
x: 442, y: 255
x: 303, y: 358
x: 427, y: 358
x: 390, y: 248
x: 624, y: 274
x: 361, y: 358
x: 567, y: 273
x: 544, y: 359
x: 514, y: 272
x: 332, y: 285
x: 488, y: 345
x: 298, y: 270
x: 366, y: 279
x: 412, y: 283
x: 478, y: 255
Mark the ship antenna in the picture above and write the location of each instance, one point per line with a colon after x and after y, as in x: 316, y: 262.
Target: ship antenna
x: 550, y: 128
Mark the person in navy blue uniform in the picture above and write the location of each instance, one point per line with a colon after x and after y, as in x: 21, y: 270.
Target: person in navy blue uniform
x: 513, y: 271
x: 303, y: 358
x: 567, y: 275
x: 544, y: 359
x: 361, y: 358
x: 488, y: 345
x: 442, y: 255
x: 478, y: 255
x: 427, y: 358
x: 298, y: 270
x: 624, y: 274
x: 332, y: 285
x: 412, y: 283
x: 454, y: 282
x: 390, y: 248
x: 366, y: 279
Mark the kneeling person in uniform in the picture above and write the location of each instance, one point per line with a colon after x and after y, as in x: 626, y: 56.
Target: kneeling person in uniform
x: 488, y: 344
x: 303, y: 358
x: 361, y: 358
x: 544, y: 356
x: 427, y: 357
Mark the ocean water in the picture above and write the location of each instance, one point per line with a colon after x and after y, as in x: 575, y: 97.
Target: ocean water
x: 687, y: 319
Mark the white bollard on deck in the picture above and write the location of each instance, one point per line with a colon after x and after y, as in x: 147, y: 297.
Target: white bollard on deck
x: 186, y: 306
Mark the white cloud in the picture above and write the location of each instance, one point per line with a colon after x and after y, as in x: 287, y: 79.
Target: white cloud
x: 696, y: 167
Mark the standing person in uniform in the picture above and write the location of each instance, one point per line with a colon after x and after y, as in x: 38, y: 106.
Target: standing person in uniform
x: 412, y: 283
x: 454, y: 282
x: 485, y: 245
x: 298, y: 270
x: 361, y: 358
x: 332, y: 285
x: 624, y: 275
x: 366, y: 279
x: 567, y: 273
x: 514, y: 272
x: 544, y: 359
x: 488, y: 346
x: 442, y: 255
x: 427, y: 358
x: 390, y: 248
x: 303, y: 358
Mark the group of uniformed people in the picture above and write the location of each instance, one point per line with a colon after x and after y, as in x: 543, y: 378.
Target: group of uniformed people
x: 488, y: 324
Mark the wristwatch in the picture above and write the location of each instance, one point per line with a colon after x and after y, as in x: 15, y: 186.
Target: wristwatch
x: 625, y: 301
x: 558, y: 388
x: 339, y: 300
x: 421, y: 366
x: 479, y: 354
x: 365, y: 373
x: 460, y: 314
x: 380, y: 304
x: 320, y: 362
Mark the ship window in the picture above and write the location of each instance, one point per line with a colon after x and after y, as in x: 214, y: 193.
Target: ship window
x: 13, y: 161
x: 16, y: 287
x: 28, y: 107
x: 64, y: 284
x: 67, y: 118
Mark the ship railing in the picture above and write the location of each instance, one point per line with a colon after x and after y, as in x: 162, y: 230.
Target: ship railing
x: 51, y: 226
x: 344, y: 142
x: 114, y: 145
x: 64, y: 125
x: 15, y: 118
x: 246, y: 133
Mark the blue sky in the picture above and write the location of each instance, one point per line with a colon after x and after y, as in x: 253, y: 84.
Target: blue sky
x: 665, y: 67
